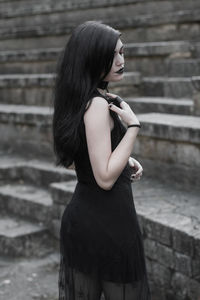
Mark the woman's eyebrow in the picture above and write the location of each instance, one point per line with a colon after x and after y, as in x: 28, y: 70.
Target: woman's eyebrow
x: 119, y: 49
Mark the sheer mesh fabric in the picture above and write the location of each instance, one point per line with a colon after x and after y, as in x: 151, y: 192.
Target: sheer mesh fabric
x: 76, y: 285
x: 87, y: 287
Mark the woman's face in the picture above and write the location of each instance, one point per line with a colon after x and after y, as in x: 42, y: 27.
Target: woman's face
x: 117, y: 69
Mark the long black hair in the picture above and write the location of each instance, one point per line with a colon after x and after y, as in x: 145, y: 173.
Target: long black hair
x: 85, y: 61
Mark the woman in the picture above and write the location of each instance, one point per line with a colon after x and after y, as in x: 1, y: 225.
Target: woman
x: 100, y: 239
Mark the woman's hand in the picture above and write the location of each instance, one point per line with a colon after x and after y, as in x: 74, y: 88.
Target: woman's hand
x: 137, y: 167
x: 125, y: 112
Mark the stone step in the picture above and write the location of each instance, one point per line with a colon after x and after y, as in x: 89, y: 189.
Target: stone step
x: 31, y: 61
x: 13, y: 10
x: 170, y: 223
x: 172, y: 127
x: 170, y: 141
x: 171, y: 58
x: 161, y: 105
x: 37, y: 89
x: 161, y: 48
x: 175, y: 87
x: 28, y: 89
x: 29, y: 129
x: 184, y: 67
x: 34, y: 171
x: 61, y: 193
x: 22, y: 238
x: 173, y: 25
x: 156, y: 58
x: 27, y: 201
x: 35, y: 277
x: 22, y: 122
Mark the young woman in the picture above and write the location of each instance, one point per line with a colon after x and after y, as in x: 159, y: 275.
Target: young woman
x: 100, y: 239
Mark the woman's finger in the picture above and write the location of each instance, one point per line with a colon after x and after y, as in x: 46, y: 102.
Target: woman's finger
x: 115, y: 108
x: 131, y: 162
x: 139, y: 172
x: 123, y: 103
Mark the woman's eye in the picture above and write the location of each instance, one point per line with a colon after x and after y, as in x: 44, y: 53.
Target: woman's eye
x: 121, y: 53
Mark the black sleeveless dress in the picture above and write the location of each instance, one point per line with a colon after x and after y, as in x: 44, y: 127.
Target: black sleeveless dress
x: 100, y: 234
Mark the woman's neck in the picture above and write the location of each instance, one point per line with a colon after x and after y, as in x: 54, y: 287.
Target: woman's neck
x: 102, y: 92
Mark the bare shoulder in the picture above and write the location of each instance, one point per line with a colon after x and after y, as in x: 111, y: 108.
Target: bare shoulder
x: 97, y: 104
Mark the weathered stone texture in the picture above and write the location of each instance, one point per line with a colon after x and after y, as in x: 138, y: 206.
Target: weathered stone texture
x: 161, y: 81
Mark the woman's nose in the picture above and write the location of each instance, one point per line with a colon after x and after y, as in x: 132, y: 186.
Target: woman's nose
x: 120, y: 60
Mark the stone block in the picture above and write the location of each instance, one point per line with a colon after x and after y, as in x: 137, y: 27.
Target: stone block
x: 37, y: 89
x: 157, y: 292
x: 21, y: 238
x: 31, y: 61
x: 49, y: 7
x: 27, y: 201
x: 150, y: 248
x: 149, y: 263
x: 62, y: 192
x: 180, y: 285
x: 194, y: 289
x: 57, y: 211
x: 185, y: 287
x: 20, y: 135
x: 157, y: 231
x: 161, y: 275
x: 175, y: 179
x: 183, y: 264
x: 28, y: 89
x: 163, y: 12
x: 183, y: 67
x: 196, y: 269
x: 183, y: 243
x: 166, y: 58
x: 196, y: 94
x: 7, y: 173
x: 55, y: 228
x: 29, y: 129
x: 155, y: 49
x: 174, y: 58
x: 168, y: 151
x: 165, y: 256
x: 143, y: 105
x: 197, y: 245
x: 175, y: 87
x: 43, y: 173
x: 144, y: 28
x: 163, y: 137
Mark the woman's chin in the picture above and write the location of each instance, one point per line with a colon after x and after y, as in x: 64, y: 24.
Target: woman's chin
x: 117, y: 78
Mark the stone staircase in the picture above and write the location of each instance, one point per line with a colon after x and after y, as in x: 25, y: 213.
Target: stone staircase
x: 162, y: 48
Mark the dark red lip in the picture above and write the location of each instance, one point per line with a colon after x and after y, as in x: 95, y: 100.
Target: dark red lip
x: 120, y: 71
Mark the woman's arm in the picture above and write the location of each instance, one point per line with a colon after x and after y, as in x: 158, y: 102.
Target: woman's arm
x: 106, y: 165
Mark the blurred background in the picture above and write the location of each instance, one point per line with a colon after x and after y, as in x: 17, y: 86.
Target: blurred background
x: 162, y: 86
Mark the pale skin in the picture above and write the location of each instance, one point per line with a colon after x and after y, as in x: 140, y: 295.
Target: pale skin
x: 108, y: 165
